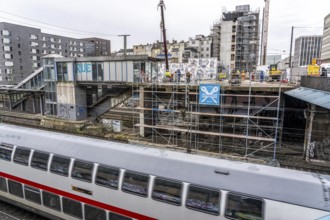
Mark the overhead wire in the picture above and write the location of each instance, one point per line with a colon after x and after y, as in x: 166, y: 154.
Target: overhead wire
x: 52, y: 25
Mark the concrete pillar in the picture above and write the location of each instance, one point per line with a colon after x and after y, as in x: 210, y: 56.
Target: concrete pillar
x: 308, y: 134
x: 33, y: 104
x: 141, y: 91
x: 10, y: 103
x: 41, y: 105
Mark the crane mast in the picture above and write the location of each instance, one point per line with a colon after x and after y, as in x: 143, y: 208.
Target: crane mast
x: 264, y: 35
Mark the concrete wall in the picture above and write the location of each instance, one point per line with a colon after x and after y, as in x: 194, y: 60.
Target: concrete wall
x: 71, y: 102
x: 319, y: 83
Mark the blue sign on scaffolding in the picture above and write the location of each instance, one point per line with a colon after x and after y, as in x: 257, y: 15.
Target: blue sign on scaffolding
x: 209, y: 94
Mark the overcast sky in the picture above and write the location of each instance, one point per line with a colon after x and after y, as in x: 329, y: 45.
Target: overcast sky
x: 141, y: 19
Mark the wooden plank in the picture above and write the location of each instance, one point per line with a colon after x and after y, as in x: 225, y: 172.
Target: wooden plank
x: 207, y: 132
x: 209, y: 114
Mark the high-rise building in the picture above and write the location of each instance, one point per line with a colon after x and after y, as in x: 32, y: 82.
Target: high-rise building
x: 306, y: 49
x: 21, y: 49
x: 236, y: 39
x: 325, y: 53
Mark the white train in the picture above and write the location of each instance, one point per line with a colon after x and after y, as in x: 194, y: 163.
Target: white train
x: 68, y: 177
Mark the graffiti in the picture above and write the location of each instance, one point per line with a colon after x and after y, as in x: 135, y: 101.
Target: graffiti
x: 61, y: 99
x: 200, y: 69
x: 66, y: 112
x: 320, y: 149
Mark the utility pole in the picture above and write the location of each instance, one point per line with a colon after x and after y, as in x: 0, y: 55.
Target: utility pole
x: 125, y: 41
x: 290, y: 57
x: 162, y: 5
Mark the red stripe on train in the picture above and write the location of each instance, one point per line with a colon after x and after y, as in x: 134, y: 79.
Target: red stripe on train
x: 78, y: 198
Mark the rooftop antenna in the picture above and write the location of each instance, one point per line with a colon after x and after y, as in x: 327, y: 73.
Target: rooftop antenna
x: 162, y: 5
x: 125, y: 42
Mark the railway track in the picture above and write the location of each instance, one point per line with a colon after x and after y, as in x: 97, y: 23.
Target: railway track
x: 11, y: 212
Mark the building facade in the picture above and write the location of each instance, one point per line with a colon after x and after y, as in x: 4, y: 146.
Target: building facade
x: 236, y: 37
x: 273, y: 59
x: 325, y: 52
x: 306, y: 49
x: 21, y: 49
x: 178, y: 52
x: 100, y: 47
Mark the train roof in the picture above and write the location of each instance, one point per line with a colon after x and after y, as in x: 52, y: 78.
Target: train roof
x: 296, y: 187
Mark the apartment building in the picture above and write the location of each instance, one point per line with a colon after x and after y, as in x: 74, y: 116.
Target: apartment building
x: 21, y: 49
x: 236, y: 38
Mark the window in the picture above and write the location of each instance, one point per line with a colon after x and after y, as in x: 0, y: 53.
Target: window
x: 114, y: 216
x: 22, y: 155
x: 243, y: 207
x: 15, y: 188
x: 135, y: 183
x: 8, y: 56
x: 62, y: 71
x: 107, y: 177
x: 40, y: 160
x: 32, y: 194
x: 7, y: 48
x: 9, y: 63
x: 34, y: 44
x: 167, y: 191
x: 203, y: 199
x: 51, y: 200
x: 3, y: 184
x: 72, y: 207
x: 92, y: 213
x: 5, y: 33
x: 60, y: 165
x: 33, y: 37
x: 82, y: 171
x: 6, y: 40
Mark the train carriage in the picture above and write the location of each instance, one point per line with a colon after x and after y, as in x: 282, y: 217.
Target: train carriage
x: 64, y: 176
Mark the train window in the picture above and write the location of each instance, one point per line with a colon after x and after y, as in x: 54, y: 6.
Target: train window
x: 72, y: 207
x: 243, y: 207
x: 107, y: 176
x: 115, y: 216
x: 60, y: 165
x: 203, y: 199
x: 15, y: 188
x: 22, y: 155
x: 32, y: 194
x: 92, y: 213
x: 82, y: 170
x: 5, y: 151
x: 51, y: 200
x: 136, y: 183
x: 167, y: 191
x: 40, y: 160
x: 3, y: 184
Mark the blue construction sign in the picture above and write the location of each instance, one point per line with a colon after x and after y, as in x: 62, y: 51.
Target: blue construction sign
x: 209, y: 94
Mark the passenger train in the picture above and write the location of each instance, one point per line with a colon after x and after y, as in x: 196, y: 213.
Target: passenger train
x: 63, y: 176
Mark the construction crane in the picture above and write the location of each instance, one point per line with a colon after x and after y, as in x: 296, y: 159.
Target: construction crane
x: 162, y: 6
x: 264, y: 35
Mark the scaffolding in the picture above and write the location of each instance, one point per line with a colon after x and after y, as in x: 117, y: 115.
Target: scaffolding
x: 247, y: 123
